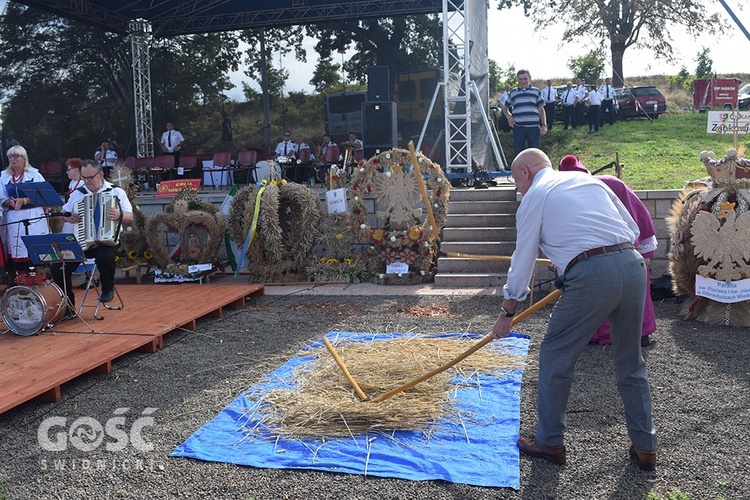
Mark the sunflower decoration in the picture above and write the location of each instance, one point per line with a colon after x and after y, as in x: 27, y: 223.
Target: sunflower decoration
x: 133, y: 241
x: 405, y: 233
x: 283, y: 230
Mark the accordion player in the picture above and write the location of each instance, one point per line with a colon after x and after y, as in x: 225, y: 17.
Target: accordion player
x: 98, y: 232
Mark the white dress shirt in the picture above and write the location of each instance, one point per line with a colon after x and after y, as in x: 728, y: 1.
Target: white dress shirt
x: 564, y: 214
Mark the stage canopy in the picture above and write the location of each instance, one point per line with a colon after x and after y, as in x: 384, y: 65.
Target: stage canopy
x: 181, y: 17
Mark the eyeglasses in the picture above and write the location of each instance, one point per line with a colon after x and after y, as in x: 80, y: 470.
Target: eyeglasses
x: 287, y: 135
x: 89, y: 177
x: 14, y: 156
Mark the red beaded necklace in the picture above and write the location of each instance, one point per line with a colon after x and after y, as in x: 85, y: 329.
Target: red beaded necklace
x: 15, y: 180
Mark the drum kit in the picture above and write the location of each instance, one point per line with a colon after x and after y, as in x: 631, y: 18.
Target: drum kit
x: 34, y: 304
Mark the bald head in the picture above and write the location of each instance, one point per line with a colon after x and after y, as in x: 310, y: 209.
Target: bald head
x: 526, y: 165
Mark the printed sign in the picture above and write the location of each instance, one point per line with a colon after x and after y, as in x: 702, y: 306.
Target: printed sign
x: 170, y: 188
x: 728, y: 122
x: 397, y: 268
x: 720, y: 291
x: 336, y: 200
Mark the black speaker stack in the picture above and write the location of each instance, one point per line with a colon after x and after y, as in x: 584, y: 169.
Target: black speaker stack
x: 379, y: 129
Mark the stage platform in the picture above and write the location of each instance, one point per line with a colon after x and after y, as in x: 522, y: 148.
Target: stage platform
x: 36, y: 366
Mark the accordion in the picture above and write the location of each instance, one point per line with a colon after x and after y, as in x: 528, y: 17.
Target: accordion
x: 94, y: 228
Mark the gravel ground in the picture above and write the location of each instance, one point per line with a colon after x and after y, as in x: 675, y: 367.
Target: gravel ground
x: 699, y: 374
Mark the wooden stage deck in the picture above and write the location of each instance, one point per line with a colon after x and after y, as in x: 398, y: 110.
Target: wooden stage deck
x: 36, y: 366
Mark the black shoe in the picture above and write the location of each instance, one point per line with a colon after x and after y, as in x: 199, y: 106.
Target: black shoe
x: 107, y: 296
x: 645, y: 340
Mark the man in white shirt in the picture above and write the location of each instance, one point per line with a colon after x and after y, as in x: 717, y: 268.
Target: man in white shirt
x: 501, y: 100
x: 580, y: 107
x: 106, y: 156
x: 171, y: 143
x: 594, y: 100
x: 608, y: 98
x: 549, y: 94
x: 104, y: 255
x: 587, y: 233
x: 569, y: 100
x: 286, y: 146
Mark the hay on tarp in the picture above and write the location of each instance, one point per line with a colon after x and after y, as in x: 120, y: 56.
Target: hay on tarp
x: 322, y: 403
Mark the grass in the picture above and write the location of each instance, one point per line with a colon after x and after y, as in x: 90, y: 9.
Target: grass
x: 659, y: 155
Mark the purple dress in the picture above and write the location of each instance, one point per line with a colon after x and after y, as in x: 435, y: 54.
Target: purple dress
x: 642, y: 218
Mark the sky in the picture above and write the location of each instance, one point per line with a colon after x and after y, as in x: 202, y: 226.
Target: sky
x: 541, y: 54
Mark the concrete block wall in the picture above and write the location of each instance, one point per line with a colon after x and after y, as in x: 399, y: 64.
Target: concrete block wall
x: 659, y: 204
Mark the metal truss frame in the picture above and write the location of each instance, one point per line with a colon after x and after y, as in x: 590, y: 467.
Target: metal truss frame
x: 140, y: 40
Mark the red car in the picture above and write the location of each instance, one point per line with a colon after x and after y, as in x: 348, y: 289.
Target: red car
x: 645, y: 100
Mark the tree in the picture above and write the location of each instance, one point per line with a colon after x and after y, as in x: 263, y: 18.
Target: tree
x: 623, y: 23
x: 68, y: 85
x: 401, y: 43
x: 588, y: 68
x: 326, y: 75
x: 494, y: 74
x: 703, y: 69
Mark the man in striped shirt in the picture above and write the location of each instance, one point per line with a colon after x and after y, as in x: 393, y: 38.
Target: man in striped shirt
x: 527, y: 119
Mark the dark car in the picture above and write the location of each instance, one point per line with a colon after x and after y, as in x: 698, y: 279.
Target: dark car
x: 743, y: 97
x: 645, y: 100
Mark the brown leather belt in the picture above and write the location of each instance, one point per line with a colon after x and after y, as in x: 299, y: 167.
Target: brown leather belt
x: 598, y: 251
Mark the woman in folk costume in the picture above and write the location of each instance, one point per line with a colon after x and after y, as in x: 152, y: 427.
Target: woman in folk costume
x: 17, y: 207
x: 646, y: 243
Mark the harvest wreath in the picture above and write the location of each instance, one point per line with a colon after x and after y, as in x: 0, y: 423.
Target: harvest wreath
x: 388, y: 178
x: 280, y: 246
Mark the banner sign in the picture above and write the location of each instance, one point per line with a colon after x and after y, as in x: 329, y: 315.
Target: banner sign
x: 720, y: 291
x: 170, y: 188
x: 728, y: 122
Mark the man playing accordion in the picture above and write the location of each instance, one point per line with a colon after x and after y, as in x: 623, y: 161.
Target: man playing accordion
x: 104, y: 255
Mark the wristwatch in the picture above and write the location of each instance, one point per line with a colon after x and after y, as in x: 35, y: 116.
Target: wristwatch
x: 506, y: 313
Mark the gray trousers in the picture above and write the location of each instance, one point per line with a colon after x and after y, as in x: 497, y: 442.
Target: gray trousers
x: 608, y: 285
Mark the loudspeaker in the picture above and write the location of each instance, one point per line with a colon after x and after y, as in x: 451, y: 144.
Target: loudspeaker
x: 378, y: 84
x: 379, y: 125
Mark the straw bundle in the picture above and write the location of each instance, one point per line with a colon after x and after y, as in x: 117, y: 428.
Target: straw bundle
x: 322, y: 403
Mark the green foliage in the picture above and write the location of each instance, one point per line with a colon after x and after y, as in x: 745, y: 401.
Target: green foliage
x: 69, y: 85
x: 659, y: 155
x: 704, y: 64
x: 588, y: 68
x: 494, y: 77
x: 509, y: 76
x: 402, y: 43
x: 622, y: 25
x: 326, y: 75
x: 681, y: 80
x: 669, y: 495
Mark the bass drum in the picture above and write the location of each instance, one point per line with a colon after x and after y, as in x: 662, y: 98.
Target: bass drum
x: 263, y: 170
x: 27, y: 310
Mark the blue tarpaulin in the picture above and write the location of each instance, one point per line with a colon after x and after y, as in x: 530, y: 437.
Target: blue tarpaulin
x: 478, y: 448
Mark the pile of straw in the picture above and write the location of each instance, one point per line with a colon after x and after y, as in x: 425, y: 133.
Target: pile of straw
x: 322, y: 403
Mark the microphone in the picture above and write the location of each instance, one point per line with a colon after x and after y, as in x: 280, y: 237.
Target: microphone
x: 59, y: 214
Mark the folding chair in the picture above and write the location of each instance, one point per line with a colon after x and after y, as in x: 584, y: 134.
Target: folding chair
x: 248, y: 159
x: 222, y: 161
x: 92, y: 282
x: 189, y: 163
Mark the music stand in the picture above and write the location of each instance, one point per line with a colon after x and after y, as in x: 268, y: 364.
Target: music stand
x: 54, y: 248
x: 41, y: 194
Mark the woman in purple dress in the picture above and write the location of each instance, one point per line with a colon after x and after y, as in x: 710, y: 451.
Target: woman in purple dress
x: 646, y: 243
